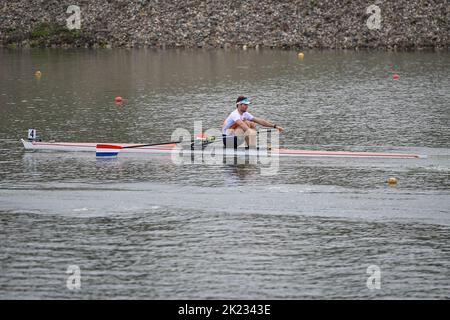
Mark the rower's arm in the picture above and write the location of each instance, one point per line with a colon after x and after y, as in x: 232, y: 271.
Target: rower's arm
x: 266, y: 123
x: 263, y: 122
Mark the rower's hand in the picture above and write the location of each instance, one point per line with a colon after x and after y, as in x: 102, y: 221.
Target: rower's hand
x: 280, y: 129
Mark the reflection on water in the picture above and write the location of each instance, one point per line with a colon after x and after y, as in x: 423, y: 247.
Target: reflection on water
x: 413, y: 174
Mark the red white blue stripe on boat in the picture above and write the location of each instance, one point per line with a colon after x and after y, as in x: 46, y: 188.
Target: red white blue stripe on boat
x: 107, y: 150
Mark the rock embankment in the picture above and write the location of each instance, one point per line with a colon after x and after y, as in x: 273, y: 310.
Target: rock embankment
x: 323, y: 24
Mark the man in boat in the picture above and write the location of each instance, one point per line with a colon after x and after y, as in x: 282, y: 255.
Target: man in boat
x: 241, y: 125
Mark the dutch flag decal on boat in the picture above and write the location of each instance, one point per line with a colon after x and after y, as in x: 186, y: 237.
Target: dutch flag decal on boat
x: 107, y: 150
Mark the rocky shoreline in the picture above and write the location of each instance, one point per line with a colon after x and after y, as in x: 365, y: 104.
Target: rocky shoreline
x: 299, y: 24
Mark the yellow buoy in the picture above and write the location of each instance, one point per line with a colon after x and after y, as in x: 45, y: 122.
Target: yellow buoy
x: 392, y: 181
x: 38, y: 74
x: 301, y: 55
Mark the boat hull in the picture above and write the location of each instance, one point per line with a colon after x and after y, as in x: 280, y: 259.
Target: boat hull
x: 218, y: 150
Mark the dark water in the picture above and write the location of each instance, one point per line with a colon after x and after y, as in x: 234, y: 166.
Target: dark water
x: 144, y: 227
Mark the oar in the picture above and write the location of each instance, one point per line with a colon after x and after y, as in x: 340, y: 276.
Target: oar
x: 111, y: 150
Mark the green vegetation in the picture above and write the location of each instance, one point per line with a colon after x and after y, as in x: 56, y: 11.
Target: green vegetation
x: 50, y: 35
x: 102, y: 44
x: 46, y: 34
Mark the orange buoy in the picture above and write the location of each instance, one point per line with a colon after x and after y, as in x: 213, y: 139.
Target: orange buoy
x: 392, y: 181
x: 118, y: 99
x: 395, y: 77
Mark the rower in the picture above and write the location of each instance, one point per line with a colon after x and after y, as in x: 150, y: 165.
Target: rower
x: 240, y: 125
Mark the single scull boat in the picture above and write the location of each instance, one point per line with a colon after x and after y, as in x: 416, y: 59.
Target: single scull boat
x: 215, y: 148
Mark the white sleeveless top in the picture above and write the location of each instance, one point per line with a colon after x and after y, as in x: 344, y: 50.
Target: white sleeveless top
x: 233, y: 117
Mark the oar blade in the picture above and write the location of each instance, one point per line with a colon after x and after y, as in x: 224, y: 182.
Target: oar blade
x: 107, y: 150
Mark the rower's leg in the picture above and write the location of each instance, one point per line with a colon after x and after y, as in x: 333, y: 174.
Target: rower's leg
x: 240, y: 134
x: 250, y: 138
x: 251, y: 134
